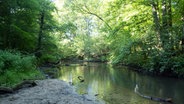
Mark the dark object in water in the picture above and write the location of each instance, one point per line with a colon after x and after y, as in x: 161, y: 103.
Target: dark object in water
x: 169, y: 100
x: 96, y: 94
x: 83, y: 65
x: 71, y: 83
x: 67, y: 64
x: 80, y: 78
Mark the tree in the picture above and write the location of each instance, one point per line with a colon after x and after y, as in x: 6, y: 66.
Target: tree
x: 80, y: 23
x: 18, y: 24
x: 147, y: 39
x: 46, y: 22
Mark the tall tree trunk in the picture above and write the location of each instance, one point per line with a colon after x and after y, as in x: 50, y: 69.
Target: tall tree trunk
x: 169, y: 14
x: 169, y: 25
x: 164, y: 14
x: 182, y: 35
x: 6, y: 14
x: 163, y: 35
x: 165, y: 38
x: 40, y: 35
x: 156, y: 19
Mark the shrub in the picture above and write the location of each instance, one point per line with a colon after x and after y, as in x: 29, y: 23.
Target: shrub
x: 178, y: 65
x: 11, y: 60
x: 14, y: 67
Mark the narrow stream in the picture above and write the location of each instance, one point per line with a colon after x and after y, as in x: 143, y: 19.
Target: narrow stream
x: 115, y: 85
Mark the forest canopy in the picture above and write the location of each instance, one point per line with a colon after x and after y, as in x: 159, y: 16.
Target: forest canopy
x: 148, y: 34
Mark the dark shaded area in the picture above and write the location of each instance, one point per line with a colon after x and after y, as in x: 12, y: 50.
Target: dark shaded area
x: 23, y: 84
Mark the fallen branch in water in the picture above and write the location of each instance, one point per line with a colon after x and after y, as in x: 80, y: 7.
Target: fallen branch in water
x: 24, y: 84
x: 169, y: 100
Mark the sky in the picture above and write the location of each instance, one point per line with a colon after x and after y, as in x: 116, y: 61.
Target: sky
x: 59, y: 3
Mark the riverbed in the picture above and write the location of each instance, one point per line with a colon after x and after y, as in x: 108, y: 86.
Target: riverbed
x: 48, y: 91
x: 115, y: 85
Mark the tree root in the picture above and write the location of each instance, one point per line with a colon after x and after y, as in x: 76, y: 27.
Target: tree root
x: 24, y: 84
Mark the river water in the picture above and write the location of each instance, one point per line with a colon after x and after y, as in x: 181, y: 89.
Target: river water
x: 115, y: 85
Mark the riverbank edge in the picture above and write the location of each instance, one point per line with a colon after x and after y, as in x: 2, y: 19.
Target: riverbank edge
x: 142, y: 70
x: 48, y: 91
x: 133, y: 67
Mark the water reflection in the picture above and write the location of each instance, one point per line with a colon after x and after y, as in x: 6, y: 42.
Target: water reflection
x: 116, y: 85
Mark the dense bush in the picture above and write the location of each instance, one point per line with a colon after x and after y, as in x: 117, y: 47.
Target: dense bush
x: 164, y: 63
x: 16, y: 61
x: 153, y: 60
x: 15, y: 67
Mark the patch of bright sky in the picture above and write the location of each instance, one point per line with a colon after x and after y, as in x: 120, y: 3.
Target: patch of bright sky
x: 59, y: 3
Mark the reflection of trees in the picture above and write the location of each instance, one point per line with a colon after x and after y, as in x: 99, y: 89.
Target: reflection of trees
x: 161, y: 87
x: 98, y: 78
x: 105, y: 80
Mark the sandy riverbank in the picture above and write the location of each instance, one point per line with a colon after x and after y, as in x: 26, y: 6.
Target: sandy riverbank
x: 49, y: 91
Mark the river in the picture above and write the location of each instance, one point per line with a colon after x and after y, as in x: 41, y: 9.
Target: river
x: 115, y: 85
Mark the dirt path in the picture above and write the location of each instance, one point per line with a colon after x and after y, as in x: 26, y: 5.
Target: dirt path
x: 50, y: 91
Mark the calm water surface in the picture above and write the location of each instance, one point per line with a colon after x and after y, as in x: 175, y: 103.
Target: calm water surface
x: 115, y: 85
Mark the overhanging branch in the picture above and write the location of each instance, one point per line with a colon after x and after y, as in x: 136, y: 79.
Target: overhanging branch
x: 86, y: 10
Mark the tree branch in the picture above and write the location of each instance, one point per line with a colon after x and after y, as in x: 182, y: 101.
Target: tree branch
x: 86, y: 10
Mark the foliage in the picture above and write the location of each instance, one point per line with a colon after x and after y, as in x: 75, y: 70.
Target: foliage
x: 147, y: 39
x: 20, y: 26
x: 80, y: 35
x: 144, y: 33
x: 16, y: 61
x: 15, y: 67
x: 11, y: 78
